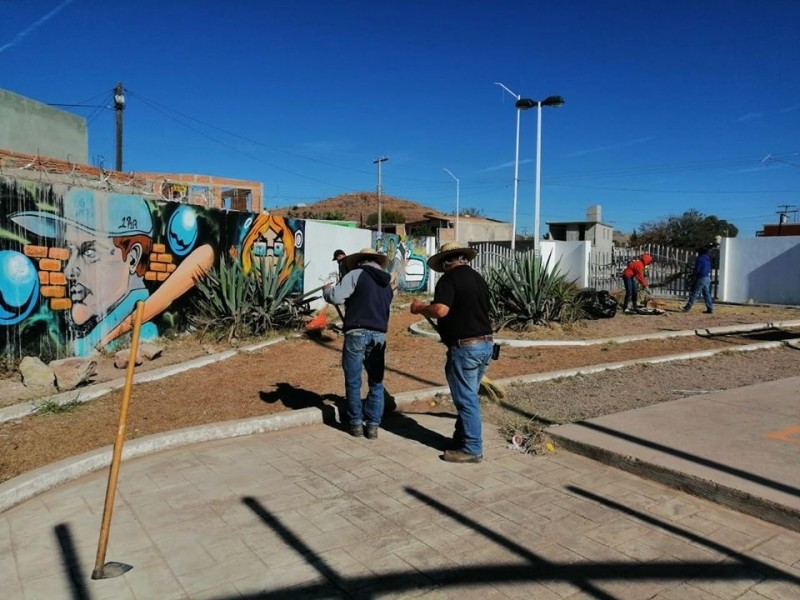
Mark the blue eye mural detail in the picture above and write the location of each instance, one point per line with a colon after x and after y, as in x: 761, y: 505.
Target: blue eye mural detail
x: 19, y: 287
x: 182, y: 230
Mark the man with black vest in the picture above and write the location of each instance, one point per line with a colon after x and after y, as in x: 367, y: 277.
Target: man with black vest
x: 366, y: 294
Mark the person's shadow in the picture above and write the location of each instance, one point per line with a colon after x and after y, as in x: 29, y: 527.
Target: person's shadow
x: 406, y: 426
x: 295, y: 398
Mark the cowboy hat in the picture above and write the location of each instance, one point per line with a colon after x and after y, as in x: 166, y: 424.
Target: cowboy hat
x: 351, y: 260
x: 450, y: 250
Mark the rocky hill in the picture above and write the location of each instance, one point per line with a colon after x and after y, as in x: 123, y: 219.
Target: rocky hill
x: 356, y: 207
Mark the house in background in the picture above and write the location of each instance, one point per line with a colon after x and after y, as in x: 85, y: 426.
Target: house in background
x: 470, y: 229
x: 592, y: 230
x: 783, y: 227
x: 31, y: 127
x: 34, y: 135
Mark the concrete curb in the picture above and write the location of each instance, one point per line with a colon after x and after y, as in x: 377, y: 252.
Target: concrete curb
x: 761, y: 508
x: 709, y: 331
x: 24, y: 487
x: 21, y: 488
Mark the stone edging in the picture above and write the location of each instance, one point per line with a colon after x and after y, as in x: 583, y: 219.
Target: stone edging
x: 703, y: 332
x: 21, y: 488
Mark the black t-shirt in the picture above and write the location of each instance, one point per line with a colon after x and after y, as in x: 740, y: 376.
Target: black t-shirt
x: 465, y: 292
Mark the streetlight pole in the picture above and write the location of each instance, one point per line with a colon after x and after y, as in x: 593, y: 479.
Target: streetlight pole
x: 524, y: 104
x: 516, y: 172
x: 458, y: 210
x: 378, y: 161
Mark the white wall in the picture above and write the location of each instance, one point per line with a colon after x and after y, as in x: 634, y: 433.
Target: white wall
x: 573, y: 257
x: 762, y: 269
x: 326, y: 238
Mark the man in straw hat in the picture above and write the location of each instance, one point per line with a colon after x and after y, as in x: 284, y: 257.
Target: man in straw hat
x: 366, y: 294
x: 461, y: 306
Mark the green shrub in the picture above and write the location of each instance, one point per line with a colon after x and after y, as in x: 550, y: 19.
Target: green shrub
x: 237, y: 305
x: 524, y: 293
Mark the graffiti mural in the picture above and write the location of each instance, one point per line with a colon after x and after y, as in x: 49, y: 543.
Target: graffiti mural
x: 407, y: 260
x: 74, y: 262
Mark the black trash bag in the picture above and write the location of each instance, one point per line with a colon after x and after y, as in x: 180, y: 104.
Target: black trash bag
x: 598, y: 304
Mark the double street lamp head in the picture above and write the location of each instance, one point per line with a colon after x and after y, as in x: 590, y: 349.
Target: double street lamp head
x: 526, y: 103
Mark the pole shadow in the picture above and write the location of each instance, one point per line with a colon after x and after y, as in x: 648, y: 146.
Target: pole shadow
x: 585, y: 575
x: 71, y: 560
x: 706, y: 462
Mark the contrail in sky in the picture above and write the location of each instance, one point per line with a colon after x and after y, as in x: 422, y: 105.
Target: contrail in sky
x: 22, y: 34
x: 611, y: 147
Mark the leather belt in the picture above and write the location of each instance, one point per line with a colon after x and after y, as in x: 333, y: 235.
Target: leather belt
x: 473, y: 340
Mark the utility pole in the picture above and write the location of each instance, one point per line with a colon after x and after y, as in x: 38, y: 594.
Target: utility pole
x: 378, y: 161
x: 119, y: 106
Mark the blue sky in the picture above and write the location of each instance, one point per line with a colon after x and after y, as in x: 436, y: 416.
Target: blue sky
x: 670, y: 106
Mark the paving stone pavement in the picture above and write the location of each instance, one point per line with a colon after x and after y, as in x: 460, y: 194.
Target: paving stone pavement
x: 313, y: 513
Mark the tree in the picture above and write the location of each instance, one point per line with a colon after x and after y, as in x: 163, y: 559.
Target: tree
x: 387, y: 216
x: 691, y: 230
x: 472, y: 212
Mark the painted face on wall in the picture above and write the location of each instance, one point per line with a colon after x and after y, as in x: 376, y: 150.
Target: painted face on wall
x: 109, y: 239
x: 98, y: 273
x: 271, y: 237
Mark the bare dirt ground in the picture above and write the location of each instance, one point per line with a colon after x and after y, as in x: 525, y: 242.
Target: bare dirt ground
x: 305, y: 371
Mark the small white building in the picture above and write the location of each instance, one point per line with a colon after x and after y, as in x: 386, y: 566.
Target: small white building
x: 591, y: 230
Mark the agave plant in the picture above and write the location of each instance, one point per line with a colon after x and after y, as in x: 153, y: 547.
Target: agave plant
x: 239, y: 304
x: 221, y: 300
x: 272, y: 306
x: 523, y: 293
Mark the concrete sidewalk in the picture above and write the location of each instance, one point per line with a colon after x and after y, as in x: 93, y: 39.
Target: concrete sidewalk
x: 314, y: 513
x: 738, y: 447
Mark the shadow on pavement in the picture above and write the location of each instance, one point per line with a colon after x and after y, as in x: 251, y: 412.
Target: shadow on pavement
x: 776, y: 485
x: 588, y: 576
x: 72, y: 563
x: 745, y: 562
x: 295, y: 398
x: 406, y: 426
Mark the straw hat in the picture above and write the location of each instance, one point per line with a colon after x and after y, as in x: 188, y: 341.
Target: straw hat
x: 351, y: 260
x: 450, y: 250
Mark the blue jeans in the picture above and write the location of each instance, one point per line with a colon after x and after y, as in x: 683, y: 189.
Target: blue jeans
x: 364, y: 349
x: 464, y: 369
x: 702, y: 285
x: 630, y: 292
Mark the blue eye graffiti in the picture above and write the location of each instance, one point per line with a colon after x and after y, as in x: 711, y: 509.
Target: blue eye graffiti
x: 19, y: 287
x: 182, y: 230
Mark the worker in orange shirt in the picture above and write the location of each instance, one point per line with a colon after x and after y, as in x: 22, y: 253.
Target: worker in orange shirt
x: 633, y: 274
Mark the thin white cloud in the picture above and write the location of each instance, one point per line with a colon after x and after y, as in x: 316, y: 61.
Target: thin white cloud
x: 611, y: 147
x: 789, y: 109
x: 25, y: 32
x: 749, y: 117
x: 505, y: 165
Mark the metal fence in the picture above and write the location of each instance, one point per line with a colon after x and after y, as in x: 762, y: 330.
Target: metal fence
x: 670, y: 273
x: 491, y: 255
